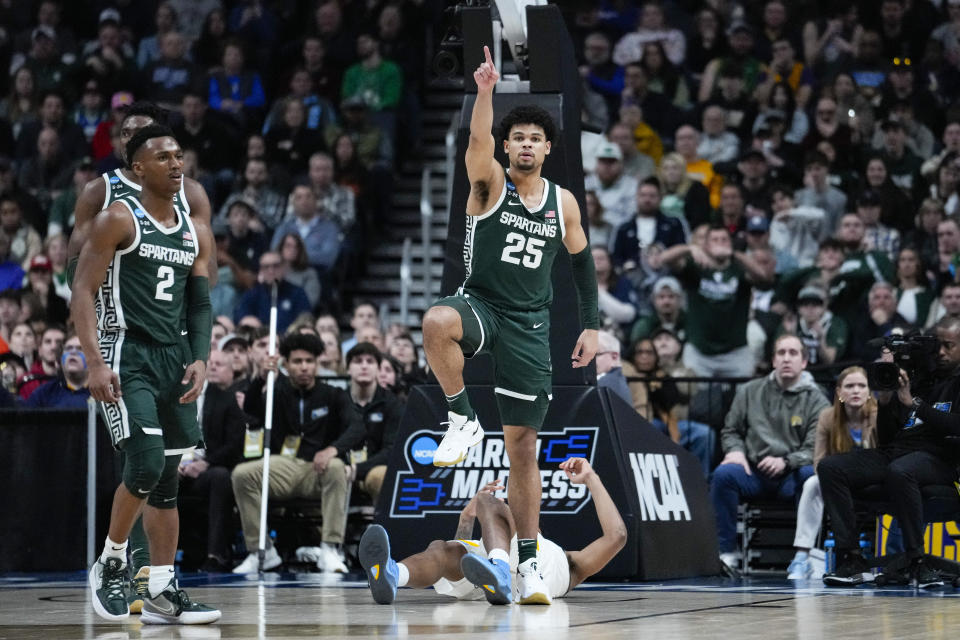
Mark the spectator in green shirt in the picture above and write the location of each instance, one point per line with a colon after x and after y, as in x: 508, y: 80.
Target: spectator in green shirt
x: 718, y: 283
x: 376, y: 81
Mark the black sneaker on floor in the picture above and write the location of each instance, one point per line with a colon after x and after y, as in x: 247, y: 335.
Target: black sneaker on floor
x: 926, y: 577
x: 852, y: 570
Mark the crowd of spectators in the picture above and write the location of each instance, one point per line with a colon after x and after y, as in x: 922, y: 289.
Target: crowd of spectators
x: 777, y: 184
x: 774, y: 190
x: 293, y: 116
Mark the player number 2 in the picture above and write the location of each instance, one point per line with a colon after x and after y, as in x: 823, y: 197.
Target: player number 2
x: 165, y: 276
x: 529, y: 247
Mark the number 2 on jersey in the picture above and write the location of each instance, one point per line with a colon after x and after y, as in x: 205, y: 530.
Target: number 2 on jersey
x: 165, y: 275
x: 519, y: 243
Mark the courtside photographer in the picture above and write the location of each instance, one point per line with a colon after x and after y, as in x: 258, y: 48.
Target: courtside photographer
x: 916, y: 423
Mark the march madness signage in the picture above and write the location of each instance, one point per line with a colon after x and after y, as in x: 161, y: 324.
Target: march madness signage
x: 657, y: 486
x: 424, y: 489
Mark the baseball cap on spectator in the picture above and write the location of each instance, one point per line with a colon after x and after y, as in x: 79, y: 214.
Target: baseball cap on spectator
x: 40, y: 262
x: 739, y: 26
x: 229, y: 339
x: 752, y: 154
x: 758, y: 223
x: 121, y: 99
x: 109, y: 15
x: 609, y: 151
x: 667, y: 282
x: 812, y: 294
x: 869, y: 198
x: 43, y: 30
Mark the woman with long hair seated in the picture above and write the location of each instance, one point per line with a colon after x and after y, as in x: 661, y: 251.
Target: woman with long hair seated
x: 850, y: 423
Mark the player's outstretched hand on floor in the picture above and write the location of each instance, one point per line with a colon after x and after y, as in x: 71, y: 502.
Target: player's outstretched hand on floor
x: 194, y: 376
x: 104, y: 384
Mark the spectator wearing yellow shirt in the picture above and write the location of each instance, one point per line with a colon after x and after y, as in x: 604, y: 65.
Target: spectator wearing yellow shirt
x: 686, y: 141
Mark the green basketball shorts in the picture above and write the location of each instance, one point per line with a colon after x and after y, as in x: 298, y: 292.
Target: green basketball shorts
x: 519, y: 343
x: 149, y: 413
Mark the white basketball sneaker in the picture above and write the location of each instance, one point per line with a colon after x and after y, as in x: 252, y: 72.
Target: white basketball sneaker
x: 461, y: 435
x: 251, y: 563
x: 531, y: 589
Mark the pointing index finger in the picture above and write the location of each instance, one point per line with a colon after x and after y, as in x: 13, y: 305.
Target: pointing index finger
x: 486, y: 53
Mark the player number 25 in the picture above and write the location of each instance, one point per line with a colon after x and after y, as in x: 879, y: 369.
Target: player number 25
x: 165, y: 276
x: 529, y: 247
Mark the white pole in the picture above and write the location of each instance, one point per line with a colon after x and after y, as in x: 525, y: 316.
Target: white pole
x: 91, y: 480
x: 267, y: 426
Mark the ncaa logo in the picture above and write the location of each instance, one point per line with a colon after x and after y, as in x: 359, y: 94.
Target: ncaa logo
x: 423, y: 449
x: 114, y: 180
x: 139, y: 212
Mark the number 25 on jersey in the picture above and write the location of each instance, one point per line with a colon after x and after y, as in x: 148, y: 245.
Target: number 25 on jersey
x: 528, y: 246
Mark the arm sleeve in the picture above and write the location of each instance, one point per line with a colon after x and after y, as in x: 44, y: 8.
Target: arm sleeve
x: 199, y: 320
x: 585, y: 281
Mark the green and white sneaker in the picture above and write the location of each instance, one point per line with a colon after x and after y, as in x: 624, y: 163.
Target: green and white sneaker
x: 106, y: 589
x: 173, y: 606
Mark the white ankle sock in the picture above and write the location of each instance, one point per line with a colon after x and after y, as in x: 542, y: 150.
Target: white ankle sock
x: 160, y: 578
x: 403, y: 575
x: 113, y: 549
x: 499, y: 554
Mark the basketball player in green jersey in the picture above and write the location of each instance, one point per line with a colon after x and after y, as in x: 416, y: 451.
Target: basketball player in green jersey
x: 516, y: 222
x: 100, y: 192
x: 96, y: 196
x: 143, y: 261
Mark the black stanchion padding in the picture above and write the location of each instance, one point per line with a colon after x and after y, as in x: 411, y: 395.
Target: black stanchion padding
x: 420, y: 502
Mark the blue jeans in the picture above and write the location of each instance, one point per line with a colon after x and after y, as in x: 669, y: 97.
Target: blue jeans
x: 731, y: 484
x: 697, y: 438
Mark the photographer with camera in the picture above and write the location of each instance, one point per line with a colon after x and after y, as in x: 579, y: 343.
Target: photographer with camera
x: 913, y: 426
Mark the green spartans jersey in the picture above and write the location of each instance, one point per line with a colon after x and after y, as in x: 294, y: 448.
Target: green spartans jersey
x: 120, y: 187
x: 143, y: 291
x: 718, y: 307
x: 509, y: 250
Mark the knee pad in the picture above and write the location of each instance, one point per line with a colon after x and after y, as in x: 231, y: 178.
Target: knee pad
x: 164, y: 495
x: 142, y: 471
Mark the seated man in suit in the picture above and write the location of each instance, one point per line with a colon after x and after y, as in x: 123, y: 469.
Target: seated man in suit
x: 206, y: 474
